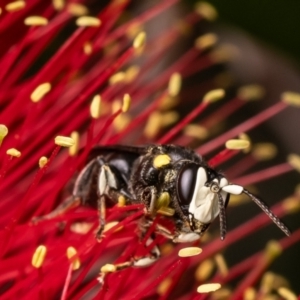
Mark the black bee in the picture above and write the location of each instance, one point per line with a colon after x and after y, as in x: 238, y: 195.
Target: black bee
x: 167, y: 178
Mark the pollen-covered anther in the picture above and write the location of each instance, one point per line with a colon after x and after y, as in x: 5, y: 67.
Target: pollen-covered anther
x: 196, y: 131
x: 213, y: 95
x: 15, y: 5
x: 13, y: 152
x: 251, y: 92
x: 36, y: 21
x: 73, y: 150
x: 291, y: 98
x: 249, y: 294
x: 39, y: 256
x: 71, y: 254
x: 121, y: 201
x: 77, y: 9
x: 163, y: 200
x: 204, y: 270
x: 87, y: 21
x: 264, y: 151
x: 139, y: 40
x: 286, y: 294
x: 117, y: 78
x: 126, y: 103
x: 87, y: 48
x: 237, y: 144
x: 206, y: 41
x: 208, y: 287
x: 291, y: 204
x: 131, y: 73
x: 294, y: 161
x: 206, y: 10
x: 164, y: 286
x: 3, y: 132
x: 95, y: 107
x: 43, y: 161
x: 161, y: 160
x: 58, y: 4
x: 221, y: 264
x: 174, y: 84
x: 108, y: 268
x: 272, y: 250
x: 64, y: 141
x: 40, y: 91
x: 166, y: 211
x: 189, y: 251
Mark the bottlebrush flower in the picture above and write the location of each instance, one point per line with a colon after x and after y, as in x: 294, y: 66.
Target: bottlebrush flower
x: 69, y: 73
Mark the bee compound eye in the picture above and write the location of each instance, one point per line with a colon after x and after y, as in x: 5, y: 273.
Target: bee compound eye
x: 186, y: 183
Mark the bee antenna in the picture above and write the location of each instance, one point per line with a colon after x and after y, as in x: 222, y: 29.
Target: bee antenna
x: 267, y: 211
x: 222, y: 216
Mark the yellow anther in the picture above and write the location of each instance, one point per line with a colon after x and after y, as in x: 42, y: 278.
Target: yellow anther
x: 166, y: 211
x: 189, y: 251
x: 224, y: 53
x: 86, y: 21
x: 43, y: 161
x: 64, y: 141
x: 164, y: 286
x: 196, y: 131
x: 221, y: 264
x: 139, y: 40
x: 206, y: 10
x: 116, y: 105
x: 73, y: 150
x: 13, y: 152
x: 209, y: 287
x: 71, y: 253
x: 3, y: 132
x: 161, y: 160
x: 204, y: 270
x: 77, y: 9
x: 251, y: 92
x: 163, y: 200
x: 117, y: 78
x: 153, y: 125
x: 264, y: 151
x: 250, y: 294
x: 40, y: 91
x: 110, y: 225
x: 95, y: 107
x: 126, y: 103
x: 286, y: 294
x: 291, y: 204
x: 272, y: 250
x: 15, y: 6
x: 36, y: 21
x: 294, y: 161
x: 291, y: 98
x: 206, y: 41
x: 87, y: 48
x: 58, y: 4
x: 108, y: 268
x: 131, y: 73
x: 174, y: 84
x: 39, y: 256
x: 213, y: 95
x: 237, y: 144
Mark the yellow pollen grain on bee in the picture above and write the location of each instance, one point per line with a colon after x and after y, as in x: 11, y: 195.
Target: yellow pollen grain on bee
x: 164, y: 286
x: 64, y: 141
x: 206, y: 41
x: 95, y: 107
x: 163, y: 200
x: 189, y: 251
x: 36, y: 21
x: 121, y: 201
x: 206, y: 10
x: 291, y: 98
x: 286, y: 294
x: 77, y: 9
x: 126, y: 103
x: 249, y: 294
x: 264, y: 151
x: 208, y: 287
x: 87, y: 21
x: 237, y: 144
x: 58, y: 4
x: 117, y: 78
x: 15, y: 5
x: 294, y: 161
x: 40, y: 91
x: 87, y: 48
x: 166, y: 211
x: 43, y: 161
x: 13, y: 152
x: 196, y: 131
x: 71, y: 252
x: 251, y: 92
x: 213, y: 96
x: 204, y: 270
x: 174, y: 84
x: 73, y: 150
x: 3, y: 132
x: 161, y: 160
x: 39, y: 256
x: 139, y: 41
x: 221, y: 264
x: 108, y: 268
